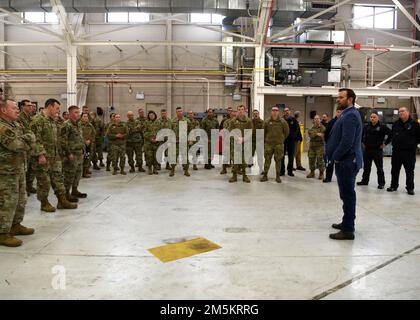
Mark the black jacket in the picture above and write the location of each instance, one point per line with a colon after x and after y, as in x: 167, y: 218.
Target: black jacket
x: 405, y: 136
x: 374, y: 136
x: 294, y: 130
x: 328, y: 128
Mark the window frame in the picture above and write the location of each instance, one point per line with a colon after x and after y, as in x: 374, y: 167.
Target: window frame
x: 375, y: 6
x: 212, y: 20
x: 23, y: 15
x: 128, y: 18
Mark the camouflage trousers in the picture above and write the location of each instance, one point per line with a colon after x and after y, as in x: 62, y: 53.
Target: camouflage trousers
x: 186, y: 165
x: 12, y: 200
x: 134, y: 148
x: 47, y: 176
x: 269, y: 150
x: 118, y: 156
x: 97, y: 153
x: 72, y: 172
x: 150, y: 150
x: 30, y: 175
x: 90, y: 150
x: 316, y: 158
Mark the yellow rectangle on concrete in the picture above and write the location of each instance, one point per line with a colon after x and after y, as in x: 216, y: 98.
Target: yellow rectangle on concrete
x: 175, y: 251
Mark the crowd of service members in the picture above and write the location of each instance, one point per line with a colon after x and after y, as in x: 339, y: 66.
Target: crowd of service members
x: 58, y: 151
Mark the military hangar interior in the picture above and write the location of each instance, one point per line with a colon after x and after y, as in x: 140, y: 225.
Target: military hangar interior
x: 258, y: 240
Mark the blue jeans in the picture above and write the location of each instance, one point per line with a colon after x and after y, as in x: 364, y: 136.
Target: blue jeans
x: 346, y: 171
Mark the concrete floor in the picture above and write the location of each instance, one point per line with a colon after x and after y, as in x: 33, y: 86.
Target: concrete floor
x: 274, y: 240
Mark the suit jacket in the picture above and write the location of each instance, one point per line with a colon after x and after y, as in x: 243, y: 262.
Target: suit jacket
x: 345, y: 140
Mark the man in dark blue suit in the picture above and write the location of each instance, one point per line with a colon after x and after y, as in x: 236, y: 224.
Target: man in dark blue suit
x: 344, y: 148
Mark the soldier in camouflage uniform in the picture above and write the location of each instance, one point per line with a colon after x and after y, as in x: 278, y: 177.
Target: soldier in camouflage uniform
x: 209, y: 123
x: 15, y: 141
x: 175, y: 124
x: 195, y: 124
x: 150, y: 131
x: 25, y: 117
x: 165, y: 123
x: 109, y: 155
x: 257, y: 124
x: 134, y: 141
x: 89, y: 136
x: 142, y: 119
x: 117, y: 135
x: 241, y: 122
x: 72, y: 148
x: 226, y: 125
x: 316, y: 148
x: 276, y: 130
x: 48, y: 168
x: 97, y: 153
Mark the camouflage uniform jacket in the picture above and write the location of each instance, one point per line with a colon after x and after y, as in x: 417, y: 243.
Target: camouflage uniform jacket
x: 46, y: 133
x: 275, y: 131
x: 14, y: 143
x: 316, y: 141
x: 113, y: 130
x: 71, y: 138
x: 150, y: 131
x: 135, y: 131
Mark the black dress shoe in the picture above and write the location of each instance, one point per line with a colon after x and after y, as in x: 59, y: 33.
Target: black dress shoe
x: 291, y: 174
x: 326, y: 180
x: 282, y: 174
x: 337, y: 226
x: 380, y: 187
x: 410, y: 192
x: 362, y: 183
x: 342, y: 235
x: 391, y: 189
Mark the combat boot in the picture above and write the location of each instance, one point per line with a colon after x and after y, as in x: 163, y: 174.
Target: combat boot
x: 141, y: 169
x: 101, y: 164
x: 155, y: 170
x: 172, y: 173
x: 195, y: 167
x: 321, y: 175
x: 71, y: 198
x: 149, y: 171
x: 245, y: 178
x: 234, y: 178
x: 132, y: 169
x: 19, y: 230
x: 186, y: 173
x: 64, y: 204
x: 114, y: 172
x: 46, y: 206
x: 311, y: 174
x: 95, y: 166
x: 207, y: 166
x: 9, y: 241
x: 168, y: 167
x: 223, y: 170
x: 264, y: 178
x: 78, y: 194
x: 108, y: 166
x: 123, y: 172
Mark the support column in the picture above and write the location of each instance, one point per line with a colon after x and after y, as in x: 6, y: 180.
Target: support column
x: 72, y: 76
x: 258, y: 81
x: 170, y: 66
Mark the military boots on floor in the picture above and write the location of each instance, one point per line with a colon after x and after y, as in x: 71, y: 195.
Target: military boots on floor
x: 149, y: 171
x: 264, y: 178
x: 172, y: 173
x: 321, y: 175
x: 63, y: 203
x: 245, y: 178
x: 71, y: 198
x: 19, y: 230
x: 155, y: 171
x: 234, y: 178
x: 311, y: 174
x: 95, y: 166
x: 141, y: 169
x: 46, y: 206
x: 9, y: 241
x: 186, y: 173
x: 123, y: 172
x: 78, y: 194
x: 132, y: 169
